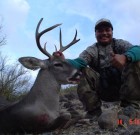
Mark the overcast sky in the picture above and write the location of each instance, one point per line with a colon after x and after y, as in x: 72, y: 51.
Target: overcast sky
x: 19, y: 19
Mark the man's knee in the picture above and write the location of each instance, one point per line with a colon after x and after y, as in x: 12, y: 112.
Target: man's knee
x: 130, y: 88
x: 89, y: 81
x: 87, y: 89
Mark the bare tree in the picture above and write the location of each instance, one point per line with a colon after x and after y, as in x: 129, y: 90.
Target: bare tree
x: 12, y: 79
x: 2, y: 37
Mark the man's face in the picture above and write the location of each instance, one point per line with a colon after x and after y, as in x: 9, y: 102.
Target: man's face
x: 104, y: 35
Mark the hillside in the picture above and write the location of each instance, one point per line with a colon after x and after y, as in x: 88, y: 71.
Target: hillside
x: 111, y: 114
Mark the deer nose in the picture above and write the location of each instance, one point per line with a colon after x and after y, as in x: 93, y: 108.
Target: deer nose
x: 75, y: 78
x: 78, y: 73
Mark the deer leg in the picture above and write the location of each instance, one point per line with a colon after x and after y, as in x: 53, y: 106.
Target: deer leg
x: 60, y: 122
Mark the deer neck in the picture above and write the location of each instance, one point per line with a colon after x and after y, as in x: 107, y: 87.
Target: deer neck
x: 46, y: 83
x: 45, y: 90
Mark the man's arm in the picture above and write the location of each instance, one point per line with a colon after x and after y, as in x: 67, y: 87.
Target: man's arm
x: 119, y: 60
x: 77, y: 63
x: 84, y: 58
x: 134, y: 53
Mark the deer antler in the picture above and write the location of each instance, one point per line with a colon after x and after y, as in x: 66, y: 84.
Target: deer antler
x: 38, y: 35
x: 63, y: 48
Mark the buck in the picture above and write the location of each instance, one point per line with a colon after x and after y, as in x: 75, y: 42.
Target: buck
x: 39, y: 110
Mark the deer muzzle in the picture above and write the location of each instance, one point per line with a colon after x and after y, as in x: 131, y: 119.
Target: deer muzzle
x: 75, y: 78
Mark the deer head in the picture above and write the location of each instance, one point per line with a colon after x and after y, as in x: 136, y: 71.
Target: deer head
x: 56, y: 63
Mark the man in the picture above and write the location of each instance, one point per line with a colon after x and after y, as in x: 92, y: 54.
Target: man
x: 113, y: 72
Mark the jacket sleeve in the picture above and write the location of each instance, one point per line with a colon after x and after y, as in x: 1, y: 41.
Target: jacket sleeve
x: 134, y: 53
x: 77, y: 63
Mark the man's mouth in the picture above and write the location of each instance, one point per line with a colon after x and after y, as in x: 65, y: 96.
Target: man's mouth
x: 104, y: 37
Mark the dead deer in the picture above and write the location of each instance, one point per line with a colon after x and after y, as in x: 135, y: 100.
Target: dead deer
x: 39, y: 110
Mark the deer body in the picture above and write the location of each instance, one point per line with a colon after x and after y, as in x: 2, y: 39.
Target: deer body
x: 34, y: 108
x: 39, y: 110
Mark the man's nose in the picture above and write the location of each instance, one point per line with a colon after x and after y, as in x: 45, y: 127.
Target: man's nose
x: 104, y: 32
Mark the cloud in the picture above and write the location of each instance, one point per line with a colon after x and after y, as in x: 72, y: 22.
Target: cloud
x: 94, y: 8
x: 15, y: 13
x: 80, y: 15
x: 124, y: 15
x: 80, y: 8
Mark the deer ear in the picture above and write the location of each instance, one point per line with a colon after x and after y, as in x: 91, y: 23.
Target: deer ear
x: 32, y: 63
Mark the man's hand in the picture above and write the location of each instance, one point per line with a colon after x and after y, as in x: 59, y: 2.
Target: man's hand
x: 118, y: 60
x: 59, y: 54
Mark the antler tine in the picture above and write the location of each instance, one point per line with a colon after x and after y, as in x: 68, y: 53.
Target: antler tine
x: 55, y: 48
x: 63, y: 48
x: 38, y: 35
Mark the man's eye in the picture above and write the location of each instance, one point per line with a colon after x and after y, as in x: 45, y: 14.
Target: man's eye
x: 100, y: 30
x: 107, y: 30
